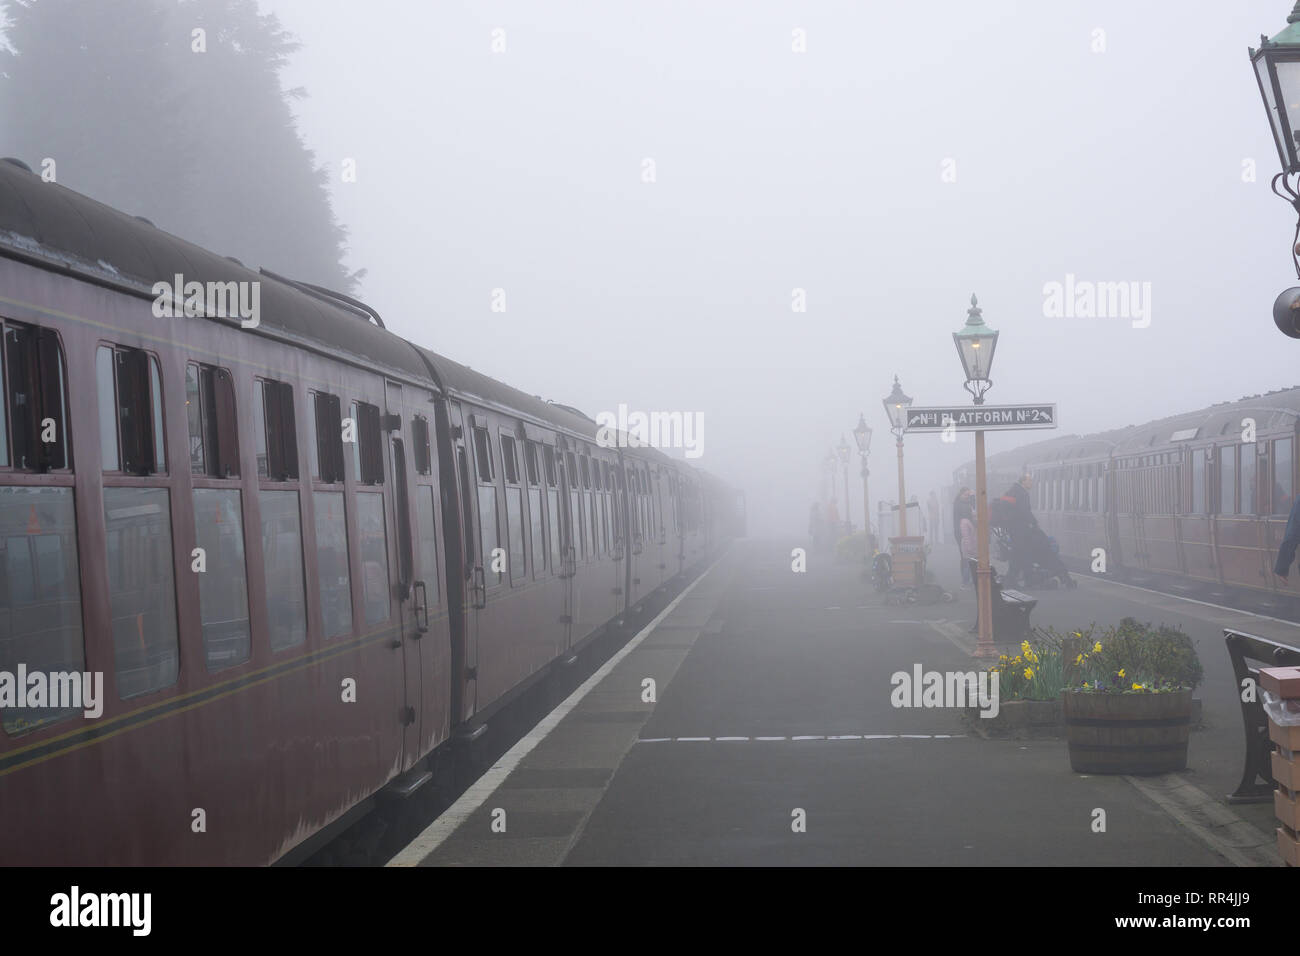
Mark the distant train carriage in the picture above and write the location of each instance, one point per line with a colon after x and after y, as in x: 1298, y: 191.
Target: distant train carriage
x: 1199, y: 499
x: 302, y: 555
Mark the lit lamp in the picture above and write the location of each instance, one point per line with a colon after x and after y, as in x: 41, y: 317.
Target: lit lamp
x: 896, y: 405
x: 1277, y: 71
x: 976, y: 343
x: 862, y: 435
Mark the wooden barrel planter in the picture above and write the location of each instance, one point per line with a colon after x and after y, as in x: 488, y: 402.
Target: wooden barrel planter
x: 1127, y: 733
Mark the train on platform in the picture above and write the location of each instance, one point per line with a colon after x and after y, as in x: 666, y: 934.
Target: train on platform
x: 1196, y: 503
x: 303, y: 555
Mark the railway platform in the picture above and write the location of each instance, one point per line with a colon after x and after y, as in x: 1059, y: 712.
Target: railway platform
x: 754, y: 723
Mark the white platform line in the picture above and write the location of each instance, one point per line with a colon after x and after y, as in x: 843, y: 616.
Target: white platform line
x: 437, y: 832
x: 1179, y: 597
x: 697, y: 740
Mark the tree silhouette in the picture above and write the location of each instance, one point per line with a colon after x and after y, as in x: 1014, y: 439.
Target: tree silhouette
x: 191, y: 130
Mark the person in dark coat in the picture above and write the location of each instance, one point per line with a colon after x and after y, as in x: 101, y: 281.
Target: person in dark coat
x: 1290, y: 541
x: 1020, y: 521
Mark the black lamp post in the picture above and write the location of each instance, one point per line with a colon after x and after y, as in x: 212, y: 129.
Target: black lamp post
x: 1277, y: 71
x: 862, y: 435
x: 843, y: 450
x: 976, y: 343
x: 896, y: 405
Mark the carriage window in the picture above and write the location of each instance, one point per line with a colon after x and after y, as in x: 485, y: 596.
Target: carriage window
x: 586, y: 472
x: 509, y: 463
x: 32, y: 380
x: 548, y: 458
x: 420, y: 437
x: 374, y: 557
x: 286, y: 605
x: 223, y: 587
x: 275, y: 431
x: 332, y: 563
x: 553, y: 507
x: 326, y: 421
x: 428, y: 542
x: 483, y: 454
x: 1227, y: 480
x: 142, y: 599
x: 537, y: 529
x: 515, y: 533
x: 1248, y: 471
x: 210, y: 411
x: 530, y: 462
x: 1282, y: 490
x: 40, y: 593
x: 131, y: 435
x: 368, y: 450
x: 487, y: 521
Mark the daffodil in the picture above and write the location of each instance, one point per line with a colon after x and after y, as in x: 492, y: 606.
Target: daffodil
x: 1029, y: 673
x: 1137, y: 686
x: 1078, y: 634
x: 1121, y: 672
x: 1079, y: 659
x: 1096, y: 648
x: 1024, y: 647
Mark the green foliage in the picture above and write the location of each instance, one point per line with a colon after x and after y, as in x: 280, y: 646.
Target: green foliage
x: 1038, y: 672
x: 850, y: 548
x: 1137, y: 658
x: 1133, y: 658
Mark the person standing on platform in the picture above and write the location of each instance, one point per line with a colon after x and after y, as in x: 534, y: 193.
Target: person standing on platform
x: 963, y: 507
x: 1020, y: 521
x: 1290, y: 541
x: 817, y: 527
x: 969, y: 548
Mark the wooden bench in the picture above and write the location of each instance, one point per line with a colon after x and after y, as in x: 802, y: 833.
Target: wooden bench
x: 1011, y: 608
x: 1257, y: 778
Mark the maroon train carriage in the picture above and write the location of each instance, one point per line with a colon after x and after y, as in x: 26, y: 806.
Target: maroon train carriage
x: 353, y: 610
x: 1187, y: 500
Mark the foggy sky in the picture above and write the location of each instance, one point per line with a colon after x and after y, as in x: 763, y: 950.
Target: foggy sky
x: 821, y: 170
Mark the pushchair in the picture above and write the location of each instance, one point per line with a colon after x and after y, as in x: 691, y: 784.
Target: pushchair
x: 1043, y: 565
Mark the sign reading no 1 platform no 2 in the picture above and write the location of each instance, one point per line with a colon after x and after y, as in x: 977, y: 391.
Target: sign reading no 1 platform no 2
x: 965, y: 418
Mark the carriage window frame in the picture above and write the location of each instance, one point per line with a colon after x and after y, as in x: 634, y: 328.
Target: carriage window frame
x: 1281, y: 463
x: 217, y: 419
x: 146, y: 410
x: 423, y: 450
x: 275, y: 433
x: 42, y: 393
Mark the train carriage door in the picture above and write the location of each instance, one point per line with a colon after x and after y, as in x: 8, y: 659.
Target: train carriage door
x: 570, y: 533
x: 461, y: 535
x: 401, y: 560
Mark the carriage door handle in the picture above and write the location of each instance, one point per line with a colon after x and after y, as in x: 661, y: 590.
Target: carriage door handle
x: 480, y: 588
x: 421, y: 609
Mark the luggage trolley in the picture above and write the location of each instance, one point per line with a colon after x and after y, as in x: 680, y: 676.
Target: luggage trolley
x: 901, y: 573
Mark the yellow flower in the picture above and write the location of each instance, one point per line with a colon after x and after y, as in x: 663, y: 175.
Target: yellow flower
x: 1079, y: 659
x: 1024, y: 647
x: 1121, y: 672
x: 1029, y: 673
x: 1097, y: 648
x: 1137, y: 686
x: 1078, y: 634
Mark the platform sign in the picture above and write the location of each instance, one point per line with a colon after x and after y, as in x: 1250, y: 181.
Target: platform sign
x: 988, y: 418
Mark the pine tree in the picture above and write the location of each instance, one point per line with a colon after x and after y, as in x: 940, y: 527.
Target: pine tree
x: 191, y: 130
